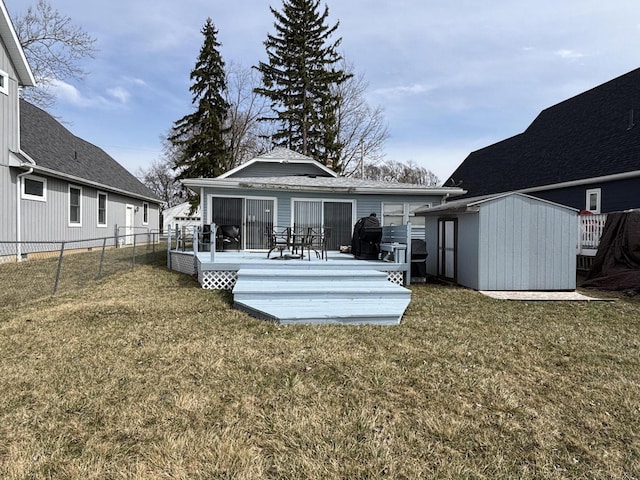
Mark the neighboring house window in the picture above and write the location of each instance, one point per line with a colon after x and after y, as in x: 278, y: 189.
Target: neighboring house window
x: 145, y: 213
x: 75, y: 206
x: 593, y: 200
x: 4, y: 82
x: 102, y: 209
x: 402, y: 213
x: 34, y: 188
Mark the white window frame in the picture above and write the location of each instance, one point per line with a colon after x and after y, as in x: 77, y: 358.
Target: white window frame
x: 145, y: 213
x: 106, y: 209
x: 27, y: 196
x: 4, y: 82
x: 407, y: 215
x: 598, y: 193
x: 79, y: 222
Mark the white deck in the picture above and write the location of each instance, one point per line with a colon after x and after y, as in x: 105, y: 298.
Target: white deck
x: 288, y: 289
x: 232, y: 260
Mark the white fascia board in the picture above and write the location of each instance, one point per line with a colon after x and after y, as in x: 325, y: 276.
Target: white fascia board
x: 14, y: 49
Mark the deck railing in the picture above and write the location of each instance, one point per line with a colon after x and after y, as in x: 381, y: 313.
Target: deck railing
x: 591, y: 227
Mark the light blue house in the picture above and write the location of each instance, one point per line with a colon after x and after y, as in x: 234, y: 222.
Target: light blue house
x: 284, y: 189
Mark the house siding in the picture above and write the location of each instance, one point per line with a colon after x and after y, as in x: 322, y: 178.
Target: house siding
x: 616, y: 195
x: 50, y: 220
x: 364, y: 204
x: 9, y: 141
x: 9, y: 114
x: 8, y: 202
x: 277, y: 169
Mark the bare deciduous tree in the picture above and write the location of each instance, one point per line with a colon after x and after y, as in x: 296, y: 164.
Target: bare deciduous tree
x: 160, y: 177
x: 246, y: 137
x: 394, y: 171
x: 54, y: 48
x: 362, y: 129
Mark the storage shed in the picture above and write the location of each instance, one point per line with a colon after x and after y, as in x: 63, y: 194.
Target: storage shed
x: 505, y: 242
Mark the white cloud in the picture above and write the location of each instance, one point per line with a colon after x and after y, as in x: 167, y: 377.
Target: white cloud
x: 569, y: 54
x: 120, y: 94
x: 70, y: 94
x: 403, y: 90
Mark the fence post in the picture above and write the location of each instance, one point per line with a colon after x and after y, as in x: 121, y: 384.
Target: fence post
x: 169, y: 248
x: 55, y: 285
x: 133, y: 258
x: 115, y: 234
x: 212, y: 241
x: 104, y: 246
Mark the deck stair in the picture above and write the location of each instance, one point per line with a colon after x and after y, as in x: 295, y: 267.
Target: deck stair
x: 298, y: 296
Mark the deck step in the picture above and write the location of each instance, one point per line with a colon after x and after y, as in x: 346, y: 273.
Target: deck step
x: 313, y: 297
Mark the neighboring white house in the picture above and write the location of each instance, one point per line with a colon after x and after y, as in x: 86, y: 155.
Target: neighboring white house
x: 179, y: 216
x: 55, y: 186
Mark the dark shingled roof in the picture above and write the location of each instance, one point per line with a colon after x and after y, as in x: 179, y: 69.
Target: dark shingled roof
x: 52, y: 146
x: 590, y: 135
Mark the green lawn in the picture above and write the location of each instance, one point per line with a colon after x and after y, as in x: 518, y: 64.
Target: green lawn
x: 145, y: 375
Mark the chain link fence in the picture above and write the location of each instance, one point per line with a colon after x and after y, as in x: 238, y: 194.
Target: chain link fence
x: 37, y: 269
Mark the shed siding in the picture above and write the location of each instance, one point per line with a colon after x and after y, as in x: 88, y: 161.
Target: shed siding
x: 468, y: 246
x: 526, y: 245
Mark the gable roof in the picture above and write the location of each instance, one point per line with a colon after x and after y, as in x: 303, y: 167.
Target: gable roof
x: 56, y: 151
x: 594, y: 134
x: 14, y: 49
x: 472, y: 205
x: 278, y: 156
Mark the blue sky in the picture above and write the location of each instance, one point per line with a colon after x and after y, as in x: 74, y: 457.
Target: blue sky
x: 452, y: 76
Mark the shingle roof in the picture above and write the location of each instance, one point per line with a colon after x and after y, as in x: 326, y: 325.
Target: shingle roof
x: 590, y: 135
x: 53, y: 147
x: 326, y: 184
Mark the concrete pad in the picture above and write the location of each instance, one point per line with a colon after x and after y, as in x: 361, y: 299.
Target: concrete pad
x: 542, y: 296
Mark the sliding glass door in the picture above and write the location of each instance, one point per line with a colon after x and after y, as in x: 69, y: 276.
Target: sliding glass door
x: 336, y: 216
x: 253, y: 216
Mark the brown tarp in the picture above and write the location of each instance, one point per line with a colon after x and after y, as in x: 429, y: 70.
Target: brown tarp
x: 617, y: 263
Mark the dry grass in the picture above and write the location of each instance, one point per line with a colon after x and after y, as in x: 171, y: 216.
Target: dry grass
x: 147, y: 376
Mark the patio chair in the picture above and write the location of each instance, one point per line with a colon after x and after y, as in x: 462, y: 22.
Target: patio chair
x: 279, y: 239
x: 228, y: 237
x: 315, y: 239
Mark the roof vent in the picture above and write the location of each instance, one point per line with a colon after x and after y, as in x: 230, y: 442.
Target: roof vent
x: 631, y: 120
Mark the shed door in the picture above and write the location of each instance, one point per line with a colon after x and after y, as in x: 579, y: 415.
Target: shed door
x: 447, y: 249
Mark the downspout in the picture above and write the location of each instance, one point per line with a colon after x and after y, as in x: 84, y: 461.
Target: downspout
x: 19, y: 205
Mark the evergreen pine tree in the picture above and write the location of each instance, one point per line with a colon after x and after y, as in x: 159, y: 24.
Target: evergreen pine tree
x: 298, y: 80
x: 199, y: 136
